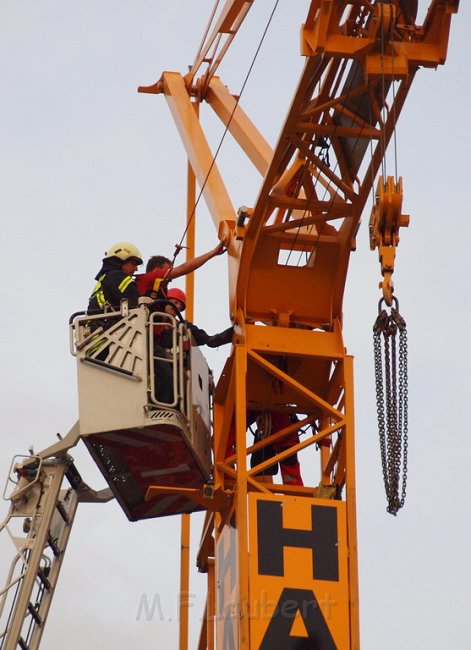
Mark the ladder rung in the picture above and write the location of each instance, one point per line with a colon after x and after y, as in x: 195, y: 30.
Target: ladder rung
x: 54, y: 548
x: 22, y: 644
x: 63, y: 512
x: 44, y: 579
x: 34, y: 614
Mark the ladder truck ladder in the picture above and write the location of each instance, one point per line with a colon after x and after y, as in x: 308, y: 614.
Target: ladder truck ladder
x: 47, y: 489
x: 47, y: 510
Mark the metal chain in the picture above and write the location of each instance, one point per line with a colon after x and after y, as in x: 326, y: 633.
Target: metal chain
x: 403, y: 401
x: 380, y: 403
x: 392, y: 402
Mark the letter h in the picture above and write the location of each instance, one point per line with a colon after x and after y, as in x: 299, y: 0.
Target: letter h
x: 322, y: 539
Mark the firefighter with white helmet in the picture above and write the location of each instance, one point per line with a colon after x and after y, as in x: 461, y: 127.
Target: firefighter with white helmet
x: 115, y: 279
x: 125, y: 251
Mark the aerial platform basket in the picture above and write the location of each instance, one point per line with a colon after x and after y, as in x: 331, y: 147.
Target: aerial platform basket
x: 137, y: 439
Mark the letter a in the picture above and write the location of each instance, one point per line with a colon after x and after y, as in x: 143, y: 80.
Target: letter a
x: 278, y: 634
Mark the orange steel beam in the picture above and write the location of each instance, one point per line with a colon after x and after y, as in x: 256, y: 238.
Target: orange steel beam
x: 239, y: 125
x: 197, y: 148
x: 219, y: 34
x: 184, y: 596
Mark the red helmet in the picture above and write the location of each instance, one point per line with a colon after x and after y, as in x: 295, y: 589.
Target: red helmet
x: 177, y: 294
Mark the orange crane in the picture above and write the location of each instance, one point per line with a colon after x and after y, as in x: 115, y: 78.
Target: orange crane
x: 289, y: 545
x: 280, y: 557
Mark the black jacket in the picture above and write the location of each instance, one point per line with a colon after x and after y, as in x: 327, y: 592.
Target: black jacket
x: 200, y: 336
x: 112, y: 286
x: 212, y: 341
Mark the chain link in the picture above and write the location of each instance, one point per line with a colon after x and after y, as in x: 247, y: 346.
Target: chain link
x: 391, y: 379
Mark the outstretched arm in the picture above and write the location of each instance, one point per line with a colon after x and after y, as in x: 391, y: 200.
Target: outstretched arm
x: 214, y: 341
x: 195, y: 263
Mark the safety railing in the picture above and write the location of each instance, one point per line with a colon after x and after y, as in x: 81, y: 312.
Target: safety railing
x: 153, y: 349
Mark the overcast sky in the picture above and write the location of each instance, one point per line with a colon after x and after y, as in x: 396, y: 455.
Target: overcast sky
x: 87, y: 161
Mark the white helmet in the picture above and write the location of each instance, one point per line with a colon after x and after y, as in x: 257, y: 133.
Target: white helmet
x: 124, y: 251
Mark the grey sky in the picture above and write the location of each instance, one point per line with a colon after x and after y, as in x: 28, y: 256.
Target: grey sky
x: 87, y: 161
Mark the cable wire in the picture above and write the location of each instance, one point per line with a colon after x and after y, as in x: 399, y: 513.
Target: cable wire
x: 213, y: 162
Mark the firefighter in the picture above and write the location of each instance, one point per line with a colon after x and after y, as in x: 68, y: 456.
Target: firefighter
x: 115, y: 278
x: 269, y: 423
x: 173, y: 304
